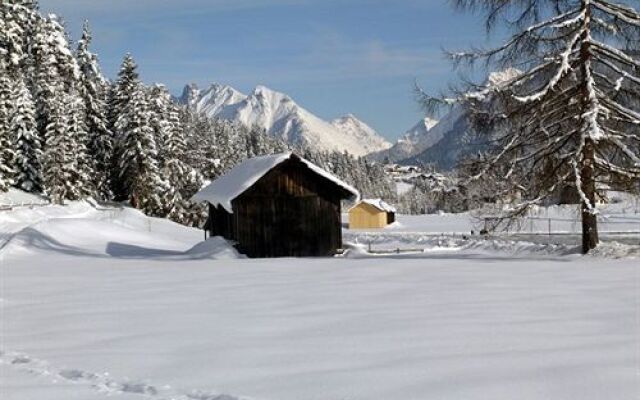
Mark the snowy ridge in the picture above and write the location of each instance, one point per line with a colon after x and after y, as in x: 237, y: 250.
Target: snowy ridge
x: 419, y: 133
x: 282, y: 117
x: 351, y: 126
x: 425, y: 134
x: 419, y: 137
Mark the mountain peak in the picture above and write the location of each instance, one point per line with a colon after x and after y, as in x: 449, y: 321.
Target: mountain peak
x: 272, y: 96
x: 353, y: 126
x: 222, y: 88
x: 190, y: 92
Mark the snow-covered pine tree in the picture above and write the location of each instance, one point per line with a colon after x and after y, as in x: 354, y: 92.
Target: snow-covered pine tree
x: 198, y: 141
x: 46, y: 80
x: 28, y: 168
x: 6, y: 138
x: 182, y: 179
x: 165, y: 118
x: 58, y: 161
x: 138, y: 164
x: 14, y: 17
x: 17, y: 19
x: 571, y: 114
x: 93, y: 89
x: 21, y: 17
x: 120, y: 97
x: 54, y: 71
x: 77, y: 139
x: 123, y: 89
x: 60, y: 113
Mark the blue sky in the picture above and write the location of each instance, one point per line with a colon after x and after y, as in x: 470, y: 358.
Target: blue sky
x: 332, y: 56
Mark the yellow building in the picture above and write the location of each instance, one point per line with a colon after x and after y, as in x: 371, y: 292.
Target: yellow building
x: 371, y: 213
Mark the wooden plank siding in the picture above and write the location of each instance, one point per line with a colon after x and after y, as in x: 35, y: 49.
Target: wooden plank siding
x: 220, y: 223
x: 365, y: 216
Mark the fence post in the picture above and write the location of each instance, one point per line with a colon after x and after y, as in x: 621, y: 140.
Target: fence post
x: 549, y: 226
x: 531, y: 223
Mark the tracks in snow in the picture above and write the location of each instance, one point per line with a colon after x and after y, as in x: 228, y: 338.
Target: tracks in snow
x: 103, y: 382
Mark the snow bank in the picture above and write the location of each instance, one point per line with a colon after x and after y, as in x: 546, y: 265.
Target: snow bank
x: 81, y: 228
x: 616, y: 250
x: 90, y: 237
x: 14, y: 197
x: 383, y: 244
x: 214, y: 248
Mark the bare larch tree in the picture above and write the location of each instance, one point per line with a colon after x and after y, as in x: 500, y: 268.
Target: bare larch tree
x: 570, y: 114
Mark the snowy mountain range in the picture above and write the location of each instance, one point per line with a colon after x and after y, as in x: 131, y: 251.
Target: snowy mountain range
x: 414, y: 140
x: 441, y: 142
x: 430, y: 141
x: 282, y: 117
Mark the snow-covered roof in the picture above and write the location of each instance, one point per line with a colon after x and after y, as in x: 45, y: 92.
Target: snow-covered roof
x: 379, y: 204
x: 223, y: 190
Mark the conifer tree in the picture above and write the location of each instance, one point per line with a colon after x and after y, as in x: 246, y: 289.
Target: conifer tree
x: 57, y: 165
x: 59, y: 114
x: 138, y: 165
x: 55, y: 69
x: 80, y: 174
x: 120, y: 98
x: 165, y: 119
x: 12, y: 35
x: 93, y: 90
x: 182, y: 179
x: 570, y: 114
x: 28, y: 155
x: 123, y: 89
x: 6, y: 143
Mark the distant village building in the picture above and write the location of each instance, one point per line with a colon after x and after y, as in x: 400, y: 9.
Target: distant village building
x: 371, y: 213
x: 401, y: 170
x: 278, y: 206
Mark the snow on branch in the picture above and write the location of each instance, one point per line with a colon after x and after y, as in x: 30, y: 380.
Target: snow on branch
x: 622, y: 13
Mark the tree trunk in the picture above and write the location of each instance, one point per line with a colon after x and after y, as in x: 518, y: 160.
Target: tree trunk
x: 589, y: 219
x: 587, y: 162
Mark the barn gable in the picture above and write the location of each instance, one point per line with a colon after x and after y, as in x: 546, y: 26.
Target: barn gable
x: 378, y: 204
x: 365, y: 208
x: 242, y: 177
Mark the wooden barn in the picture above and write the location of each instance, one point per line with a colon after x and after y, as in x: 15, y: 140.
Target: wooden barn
x: 371, y: 213
x: 278, y: 206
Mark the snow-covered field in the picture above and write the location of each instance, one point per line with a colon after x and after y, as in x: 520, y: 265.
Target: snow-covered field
x: 102, y: 302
